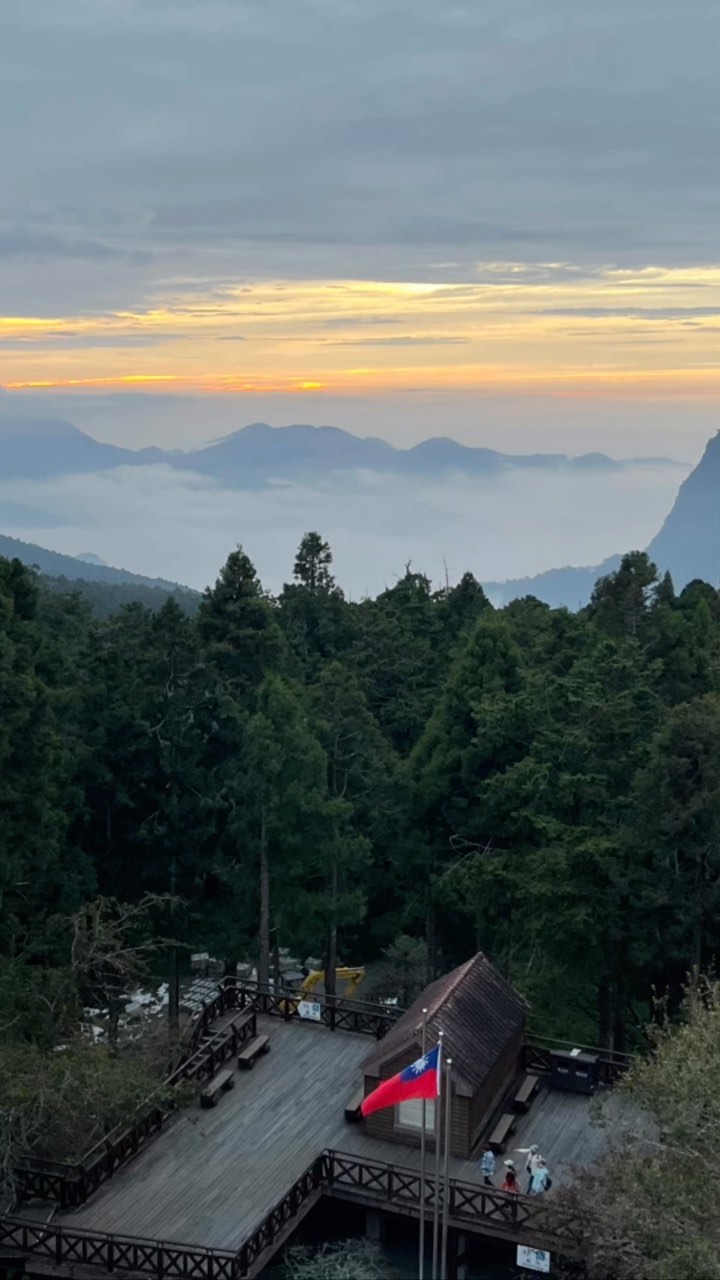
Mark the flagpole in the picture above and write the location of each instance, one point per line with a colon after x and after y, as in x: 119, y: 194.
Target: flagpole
x: 436, y: 1203
x: 446, y: 1174
x: 423, y: 1145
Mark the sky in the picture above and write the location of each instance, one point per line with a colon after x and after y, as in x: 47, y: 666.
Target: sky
x: 495, y: 221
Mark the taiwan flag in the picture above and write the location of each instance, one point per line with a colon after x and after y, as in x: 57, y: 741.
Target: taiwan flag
x: 420, y: 1080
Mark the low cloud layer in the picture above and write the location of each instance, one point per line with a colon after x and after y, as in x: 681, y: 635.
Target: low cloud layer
x: 158, y: 522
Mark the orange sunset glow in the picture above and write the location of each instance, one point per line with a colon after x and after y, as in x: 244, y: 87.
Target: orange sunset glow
x: 516, y: 328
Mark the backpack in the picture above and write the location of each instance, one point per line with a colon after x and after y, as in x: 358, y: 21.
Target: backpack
x: 548, y: 1183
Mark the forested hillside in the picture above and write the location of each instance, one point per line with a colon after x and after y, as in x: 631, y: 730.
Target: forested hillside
x: 338, y: 778
x: 89, y: 578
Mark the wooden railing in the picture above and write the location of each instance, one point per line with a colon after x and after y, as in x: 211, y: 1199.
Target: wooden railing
x: 283, y: 1217
x: 68, y: 1248
x: 70, y: 1184
x: 333, y: 1173
x: 336, y: 1013
x: 537, y: 1058
x: 469, y: 1204
x: 210, y: 1056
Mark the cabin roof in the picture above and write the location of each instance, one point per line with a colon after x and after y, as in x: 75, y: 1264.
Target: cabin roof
x: 477, y: 1009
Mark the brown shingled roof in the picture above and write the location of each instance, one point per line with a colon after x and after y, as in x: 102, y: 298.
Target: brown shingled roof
x: 475, y: 1007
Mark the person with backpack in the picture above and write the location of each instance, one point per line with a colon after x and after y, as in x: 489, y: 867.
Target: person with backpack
x: 531, y: 1164
x: 540, y: 1181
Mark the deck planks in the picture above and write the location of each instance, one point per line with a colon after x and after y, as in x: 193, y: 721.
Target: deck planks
x: 564, y: 1126
x: 212, y: 1176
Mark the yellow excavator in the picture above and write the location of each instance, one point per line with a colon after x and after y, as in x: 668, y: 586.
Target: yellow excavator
x: 306, y: 982
x: 353, y: 977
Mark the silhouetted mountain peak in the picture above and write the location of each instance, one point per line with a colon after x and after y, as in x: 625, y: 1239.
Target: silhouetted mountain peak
x: 689, y: 542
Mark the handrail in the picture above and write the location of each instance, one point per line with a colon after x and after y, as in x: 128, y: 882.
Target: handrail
x: 468, y: 1202
x: 607, y: 1055
x: 336, y: 1013
x: 311, y: 1181
x: 164, y: 1260
x: 315, y: 997
x: 331, y: 1173
x: 70, y: 1183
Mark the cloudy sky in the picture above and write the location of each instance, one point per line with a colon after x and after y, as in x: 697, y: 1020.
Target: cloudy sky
x: 497, y: 220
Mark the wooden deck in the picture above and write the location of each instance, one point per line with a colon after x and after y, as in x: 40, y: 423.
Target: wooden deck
x: 212, y: 1176
x: 562, y: 1124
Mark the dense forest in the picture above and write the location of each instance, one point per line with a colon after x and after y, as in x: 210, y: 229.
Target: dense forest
x: 417, y: 775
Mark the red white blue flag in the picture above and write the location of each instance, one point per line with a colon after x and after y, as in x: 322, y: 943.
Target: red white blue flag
x: 420, y: 1080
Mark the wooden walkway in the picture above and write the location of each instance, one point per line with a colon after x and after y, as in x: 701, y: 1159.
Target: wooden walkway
x: 212, y: 1176
x: 216, y: 1193
x: 562, y: 1124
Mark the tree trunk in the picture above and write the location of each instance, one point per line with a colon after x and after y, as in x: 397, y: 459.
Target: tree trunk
x: 698, y: 914
x: 430, y: 936
x: 620, y: 1013
x: 276, y: 956
x: 331, y: 961
x: 605, y: 1013
x: 264, y: 957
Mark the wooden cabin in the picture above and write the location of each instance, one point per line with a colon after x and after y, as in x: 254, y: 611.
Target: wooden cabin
x: 483, y: 1019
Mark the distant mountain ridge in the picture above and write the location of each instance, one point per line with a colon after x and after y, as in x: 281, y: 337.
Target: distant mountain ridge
x: 258, y: 454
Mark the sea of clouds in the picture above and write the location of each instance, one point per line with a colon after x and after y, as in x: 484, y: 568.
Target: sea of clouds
x: 157, y: 521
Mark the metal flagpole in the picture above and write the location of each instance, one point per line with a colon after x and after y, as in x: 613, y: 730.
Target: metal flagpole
x: 436, y: 1204
x: 423, y: 1144
x: 446, y: 1171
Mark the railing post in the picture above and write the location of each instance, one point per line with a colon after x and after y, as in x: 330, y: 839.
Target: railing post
x: 110, y: 1254
x: 58, y: 1247
x: 390, y: 1182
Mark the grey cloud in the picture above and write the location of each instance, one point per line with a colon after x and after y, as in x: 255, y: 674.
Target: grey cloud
x: 361, y: 136
x: 28, y: 242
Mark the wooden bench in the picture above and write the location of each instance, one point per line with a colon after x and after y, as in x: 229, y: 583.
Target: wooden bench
x: 220, y: 1083
x: 352, y: 1110
x: 502, y: 1131
x: 247, y: 1057
x: 526, y: 1093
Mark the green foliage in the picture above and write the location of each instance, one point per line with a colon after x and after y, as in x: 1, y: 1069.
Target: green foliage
x: 397, y: 782
x: 650, y: 1210
x: 58, y: 1103
x: 343, y: 1260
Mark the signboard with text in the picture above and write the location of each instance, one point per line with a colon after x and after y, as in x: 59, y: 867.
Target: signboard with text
x: 533, y: 1259
x: 310, y: 1009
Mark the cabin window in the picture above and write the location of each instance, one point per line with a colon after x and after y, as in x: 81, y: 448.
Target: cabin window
x: 408, y: 1115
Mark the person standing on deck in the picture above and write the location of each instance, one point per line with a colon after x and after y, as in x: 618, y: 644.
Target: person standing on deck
x: 511, y: 1182
x: 540, y: 1180
x: 487, y: 1166
x: 531, y: 1164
